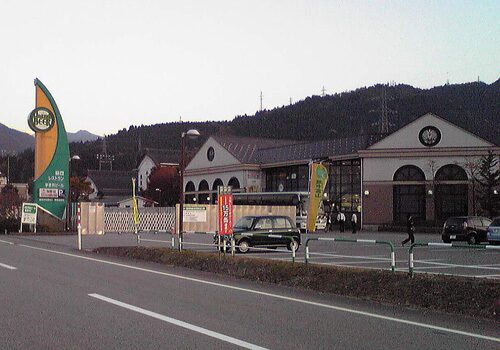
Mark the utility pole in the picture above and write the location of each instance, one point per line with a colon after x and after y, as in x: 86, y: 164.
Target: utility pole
x: 104, y: 157
x: 261, y: 100
x: 323, y: 90
x: 290, y: 101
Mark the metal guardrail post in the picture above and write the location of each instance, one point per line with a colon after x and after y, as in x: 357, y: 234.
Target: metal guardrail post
x: 448, y: 245
x: 233, y: 245
x: 180, y: 243
x: 138, y: 239
x: 391, y: 246
x: 173, y: 241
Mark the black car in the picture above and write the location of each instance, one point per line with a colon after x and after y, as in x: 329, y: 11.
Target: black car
x: 471, y: 229
x: 265, y: 231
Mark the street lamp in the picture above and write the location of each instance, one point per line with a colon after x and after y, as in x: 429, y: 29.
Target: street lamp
x: 191, y: 134
x: 68, y: 216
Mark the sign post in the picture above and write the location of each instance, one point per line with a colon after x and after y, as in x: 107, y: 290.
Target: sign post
x: 28, y: 215
x: 225, y: 211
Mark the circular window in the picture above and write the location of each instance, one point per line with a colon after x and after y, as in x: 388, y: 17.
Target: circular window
x: 429, y: 136
x: 210, y: 154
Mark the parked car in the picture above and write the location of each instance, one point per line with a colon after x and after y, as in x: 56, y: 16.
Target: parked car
x: 471, y: 229
x: 493, y: 234
x: 265, y: 231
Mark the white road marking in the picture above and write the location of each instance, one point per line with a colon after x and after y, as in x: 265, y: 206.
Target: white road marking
x: 179, y: 323
x: 8, y: 267
x: 277, y: 296
x: 7, y: 242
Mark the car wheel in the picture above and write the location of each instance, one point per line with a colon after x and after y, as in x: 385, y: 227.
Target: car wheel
x: 472, y: 239
x: 243, y: 246
x: 293, y: 245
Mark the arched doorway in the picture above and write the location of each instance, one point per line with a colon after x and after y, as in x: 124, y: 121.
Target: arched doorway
x: 408, y: 196
x: 215, y: 186
x: 190, y: 197
x: 204, y: 192
x: 452, y: 191
x: 234, y: 183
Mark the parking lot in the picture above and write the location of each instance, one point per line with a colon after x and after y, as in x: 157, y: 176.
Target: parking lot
x: 465, y: 261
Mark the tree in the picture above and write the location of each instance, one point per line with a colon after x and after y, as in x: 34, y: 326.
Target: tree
x: 10, y: 202
x: 489, y: 182
x: 166, y: 180
x: 80, y: 189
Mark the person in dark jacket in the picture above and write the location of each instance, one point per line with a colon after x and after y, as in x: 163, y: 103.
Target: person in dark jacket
x: 410, y: 229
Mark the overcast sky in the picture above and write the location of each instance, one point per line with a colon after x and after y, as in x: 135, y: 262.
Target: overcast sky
x: 110, y: 64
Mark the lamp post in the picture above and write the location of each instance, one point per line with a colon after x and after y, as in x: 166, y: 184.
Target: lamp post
x: 191, y: 134
x: 159, y: 196
x: 68, y: 216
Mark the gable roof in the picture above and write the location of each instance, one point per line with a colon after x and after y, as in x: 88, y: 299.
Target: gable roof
x: 161, y: 156
x: 317, y: 149
x: 246, y: 149
x: 429, y: 116
x: 113, y: 182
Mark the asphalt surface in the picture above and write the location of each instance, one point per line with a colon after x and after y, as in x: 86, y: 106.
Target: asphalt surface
x: 465, y: 261
x: 53, y: 297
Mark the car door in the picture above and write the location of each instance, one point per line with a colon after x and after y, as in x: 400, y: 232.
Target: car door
x: 281, y: 227
x: 484, y: 228
x: 263, y: 227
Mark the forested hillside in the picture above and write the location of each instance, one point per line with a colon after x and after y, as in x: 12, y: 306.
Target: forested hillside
x: 474, y: 106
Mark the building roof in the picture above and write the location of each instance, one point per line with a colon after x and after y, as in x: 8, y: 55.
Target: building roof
x: 161, y: 156
x: 246, y: 149
x: 316, y: 150
x: 113, y: 182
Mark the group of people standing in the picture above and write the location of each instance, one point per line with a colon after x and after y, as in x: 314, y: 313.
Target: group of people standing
x: 341, y: 219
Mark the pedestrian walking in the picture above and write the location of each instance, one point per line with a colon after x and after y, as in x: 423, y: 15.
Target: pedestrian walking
x: 410, y: 229
x: 341, y: 220
x: 354, y: 222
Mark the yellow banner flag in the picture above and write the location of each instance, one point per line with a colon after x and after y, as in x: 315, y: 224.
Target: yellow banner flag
x: 136, y: 207
x: 319, y: 178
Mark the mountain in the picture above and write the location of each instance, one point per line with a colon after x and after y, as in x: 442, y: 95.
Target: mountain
x: 13, y: 141
x: 473, y: 106
x: 82, y: 136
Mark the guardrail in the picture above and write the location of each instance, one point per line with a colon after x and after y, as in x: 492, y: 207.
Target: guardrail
x: 443, y: 245
x: 140, y: 239
x: 346, y: 240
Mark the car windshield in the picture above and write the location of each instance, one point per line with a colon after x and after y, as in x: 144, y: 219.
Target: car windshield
x: 244, y: 223
x: 455, y: 221
x: 495, y: 222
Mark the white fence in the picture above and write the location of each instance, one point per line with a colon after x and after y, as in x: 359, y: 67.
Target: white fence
x: 121, y: 220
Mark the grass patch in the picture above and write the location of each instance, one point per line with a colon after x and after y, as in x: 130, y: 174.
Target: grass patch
x: 458, y: 295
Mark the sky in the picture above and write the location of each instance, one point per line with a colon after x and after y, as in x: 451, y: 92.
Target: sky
x: 110, y: 64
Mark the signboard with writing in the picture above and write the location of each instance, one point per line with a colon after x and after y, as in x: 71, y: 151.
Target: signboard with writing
x: 225, y: 210
x: 51, y: 184
x: 28, y: 215
x: 195, y: 214
x: 319, y: 177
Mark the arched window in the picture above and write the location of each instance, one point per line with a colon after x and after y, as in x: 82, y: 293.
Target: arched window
x: 234, y: 183
x: 204, y: 195
x: 215, y: 186
x: 203, y: 186
x: 409, y: 173
x: 190, y: 187
x: 409, y: 199
x: 451, y: 172
x: 190, y: 198
x: 451, y: 198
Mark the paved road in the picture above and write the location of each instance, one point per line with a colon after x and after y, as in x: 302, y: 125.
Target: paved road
x: 464, y: 262
x: 56, y: 298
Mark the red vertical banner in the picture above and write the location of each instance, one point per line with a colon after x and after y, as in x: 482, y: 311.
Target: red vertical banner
x: 225, y: 206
